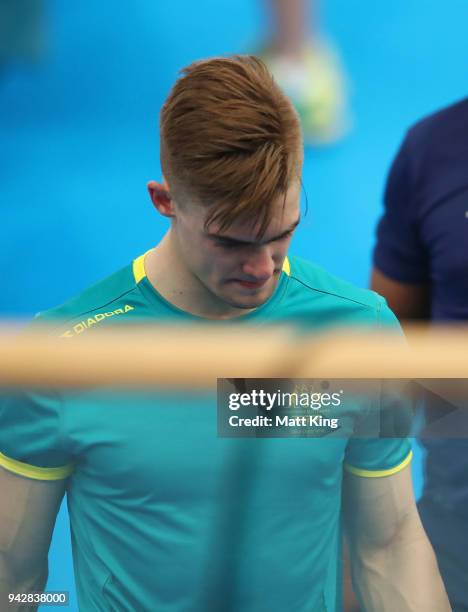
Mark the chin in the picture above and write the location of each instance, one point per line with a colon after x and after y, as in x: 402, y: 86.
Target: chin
x: 248, y: 306
x: 248, y: 302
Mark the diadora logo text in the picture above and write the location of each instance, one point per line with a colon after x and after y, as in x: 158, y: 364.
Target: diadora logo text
x: 80, y: 327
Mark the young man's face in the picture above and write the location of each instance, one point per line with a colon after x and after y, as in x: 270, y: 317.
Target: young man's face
x: 235, y: 266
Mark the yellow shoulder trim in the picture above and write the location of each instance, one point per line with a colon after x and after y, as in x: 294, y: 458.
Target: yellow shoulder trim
x: 32, y: 471
x: 379, y: 473
x: 139, y: 268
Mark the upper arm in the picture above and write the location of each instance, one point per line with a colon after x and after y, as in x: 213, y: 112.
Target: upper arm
x: 406, y: 300
x: 392, y: 562
x: 377, y: 486
x: 34, y: 465
x: 374, y: 509
x: 28, y: 509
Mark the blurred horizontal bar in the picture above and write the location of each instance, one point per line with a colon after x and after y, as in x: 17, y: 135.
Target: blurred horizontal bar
x: 196, y: 357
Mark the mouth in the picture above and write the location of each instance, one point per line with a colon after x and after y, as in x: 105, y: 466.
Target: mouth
x: 250, y: 284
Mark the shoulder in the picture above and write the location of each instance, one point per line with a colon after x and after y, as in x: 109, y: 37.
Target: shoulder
x: 339, y: 298
x: 111, y: 296
x: 444, y: 126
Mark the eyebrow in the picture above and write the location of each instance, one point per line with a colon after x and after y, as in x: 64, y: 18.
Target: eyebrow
x: 234, y: 241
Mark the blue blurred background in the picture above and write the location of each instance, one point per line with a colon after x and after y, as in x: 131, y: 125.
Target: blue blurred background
x: 79, y: 138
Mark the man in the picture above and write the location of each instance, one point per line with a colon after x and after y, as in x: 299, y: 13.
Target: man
x: 156, y: 520
x: 421, y: 264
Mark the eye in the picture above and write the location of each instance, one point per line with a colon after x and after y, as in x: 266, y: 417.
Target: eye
x: 286, y: 236
x: 227, y: 245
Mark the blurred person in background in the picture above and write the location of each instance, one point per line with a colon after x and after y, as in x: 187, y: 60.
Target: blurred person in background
x: 421, y: 268
x: 21, y: 31
x: 307, y: 67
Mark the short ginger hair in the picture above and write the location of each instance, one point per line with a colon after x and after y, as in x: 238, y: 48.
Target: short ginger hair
x: 230, y: 139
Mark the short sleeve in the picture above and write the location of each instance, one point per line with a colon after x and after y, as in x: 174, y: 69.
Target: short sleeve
x: 30, y: 435
x: 387, y: 320
x: 377, y: 457
x: 399, y: 252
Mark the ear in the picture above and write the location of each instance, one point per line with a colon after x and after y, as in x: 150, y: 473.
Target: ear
x: 161, y: 198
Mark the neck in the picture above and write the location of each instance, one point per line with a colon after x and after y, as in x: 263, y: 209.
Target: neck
x: 168, y: 274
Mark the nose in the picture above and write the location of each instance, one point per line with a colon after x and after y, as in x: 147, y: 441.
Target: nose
x: 259, y: 264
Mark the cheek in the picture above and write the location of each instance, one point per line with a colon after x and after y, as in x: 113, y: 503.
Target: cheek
x: 223, y: 263
x: 281, y: 250
x: 212, y: 260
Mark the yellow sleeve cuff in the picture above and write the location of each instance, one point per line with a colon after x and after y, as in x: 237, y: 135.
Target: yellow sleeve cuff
x: 32, y: 471
x: 379, y: 473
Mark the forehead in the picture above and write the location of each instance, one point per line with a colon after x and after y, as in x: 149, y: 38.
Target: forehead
x: 284, y: 213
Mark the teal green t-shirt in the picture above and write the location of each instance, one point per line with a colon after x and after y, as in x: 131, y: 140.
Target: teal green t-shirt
x: 165, y: 515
